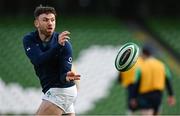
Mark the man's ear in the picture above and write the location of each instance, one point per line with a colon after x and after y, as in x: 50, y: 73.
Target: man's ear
x: 36, y: 24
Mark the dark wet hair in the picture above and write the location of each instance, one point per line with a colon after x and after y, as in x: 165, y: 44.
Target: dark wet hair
x: 147, y: 50
x: 44, y: 9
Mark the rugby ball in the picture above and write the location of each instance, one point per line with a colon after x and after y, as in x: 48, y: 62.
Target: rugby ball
x: 126, y: 56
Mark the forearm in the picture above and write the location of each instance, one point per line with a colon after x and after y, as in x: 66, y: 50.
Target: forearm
x: 45, y: 56
x: 169, y: 87
x: 37, y: 56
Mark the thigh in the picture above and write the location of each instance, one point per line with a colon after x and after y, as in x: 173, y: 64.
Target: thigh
x: 150, y: 100
x: 157, y: 99
x: 48, y: 108
x: 63, y: 98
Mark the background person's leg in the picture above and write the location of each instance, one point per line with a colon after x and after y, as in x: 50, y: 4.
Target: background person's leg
x: 147, y: 112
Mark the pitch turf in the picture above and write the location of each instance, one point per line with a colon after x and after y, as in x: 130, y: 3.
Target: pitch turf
x: 85, y: 31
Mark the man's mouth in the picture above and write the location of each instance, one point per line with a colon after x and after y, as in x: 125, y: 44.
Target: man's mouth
x: 49, y: 28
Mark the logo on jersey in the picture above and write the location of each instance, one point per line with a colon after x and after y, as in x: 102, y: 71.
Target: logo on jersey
x: 70, y: 60
x: 28, y: 48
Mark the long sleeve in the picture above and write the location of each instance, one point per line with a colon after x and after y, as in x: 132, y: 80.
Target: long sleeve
x: 135, y: 87
x: 35, y: 54
x: 65, y: 61
x: 168, y: 82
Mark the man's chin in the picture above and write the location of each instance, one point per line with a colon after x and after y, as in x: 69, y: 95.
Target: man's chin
x: 49, y: 33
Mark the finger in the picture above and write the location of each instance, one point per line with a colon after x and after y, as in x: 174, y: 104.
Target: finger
x: 71, y: 78
x: 66, y: 37
x: 61, y: 35
x: 70, y: 73
x: 76, y: 78
x: 77, y: 75
x: 65, y: 33
x: 62, y: 41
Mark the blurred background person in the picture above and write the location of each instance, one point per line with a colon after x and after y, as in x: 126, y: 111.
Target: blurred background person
x: 152, y: 78
x: 127, y: 80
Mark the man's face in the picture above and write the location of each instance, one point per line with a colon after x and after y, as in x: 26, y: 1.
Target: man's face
x: 45, y: 24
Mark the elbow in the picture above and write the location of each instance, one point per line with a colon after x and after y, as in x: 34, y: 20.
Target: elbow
x: 36, y: 61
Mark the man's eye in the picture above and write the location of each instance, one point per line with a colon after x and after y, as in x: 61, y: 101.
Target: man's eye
x: 52, y: 20
x: 45, y: 20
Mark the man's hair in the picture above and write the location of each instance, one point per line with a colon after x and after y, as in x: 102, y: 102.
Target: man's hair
x: 147, y: 49
x: 44, y: 9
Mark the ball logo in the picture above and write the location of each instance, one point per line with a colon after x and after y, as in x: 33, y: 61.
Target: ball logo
x: 126, y: 56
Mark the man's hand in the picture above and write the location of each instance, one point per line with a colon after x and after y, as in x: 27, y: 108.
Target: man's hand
x: 63, y: 37
x: 133, y: 103
x: 171, y: 100
x: 71, y: 76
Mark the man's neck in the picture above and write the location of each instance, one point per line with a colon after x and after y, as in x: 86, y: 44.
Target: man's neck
x: 44, y: 38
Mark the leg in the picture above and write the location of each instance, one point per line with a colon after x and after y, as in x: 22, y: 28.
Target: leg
x: 70, y: 110
x: 72, y: 114
x: 129, y: 113
x: 48, y: 108
x: 130, y: 109
x: 147, y: 112
x: 156, y: 111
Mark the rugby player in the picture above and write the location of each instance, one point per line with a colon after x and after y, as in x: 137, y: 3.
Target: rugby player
x: 50, y: 53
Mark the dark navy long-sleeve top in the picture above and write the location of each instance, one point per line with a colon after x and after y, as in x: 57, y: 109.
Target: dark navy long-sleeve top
x: 51, y: 61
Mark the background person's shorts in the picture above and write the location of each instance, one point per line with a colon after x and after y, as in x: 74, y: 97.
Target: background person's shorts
x: 62, y: 97
x: 151, y: 100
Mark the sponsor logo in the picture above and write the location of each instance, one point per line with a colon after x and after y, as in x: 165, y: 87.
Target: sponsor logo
x: 70, y: 60
x: 28, y: 48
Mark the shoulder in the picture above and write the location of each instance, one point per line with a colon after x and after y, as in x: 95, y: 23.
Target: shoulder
x: 68, y: 44
x: 56, y: 33
x: 158, y: 63
x: 67, y: 47
x: 55, y: 36
x: 29, y: 36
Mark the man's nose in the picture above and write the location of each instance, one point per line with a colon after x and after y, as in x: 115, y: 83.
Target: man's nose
x: 50, y: 22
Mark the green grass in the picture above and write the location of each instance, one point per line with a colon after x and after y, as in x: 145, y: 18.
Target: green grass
x: 115, y: 102
x: 85, y: 31
x: 15, y: 67
x: 168, y: 30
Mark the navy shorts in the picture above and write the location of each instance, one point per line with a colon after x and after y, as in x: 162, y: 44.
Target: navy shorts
x: 150, y: 100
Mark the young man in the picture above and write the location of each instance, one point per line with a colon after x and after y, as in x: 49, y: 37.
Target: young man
x: 51, y: 54
x: 152, y: 78
x: 127, y: 80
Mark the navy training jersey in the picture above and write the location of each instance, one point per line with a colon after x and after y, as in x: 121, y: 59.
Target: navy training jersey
x: 51, y: 60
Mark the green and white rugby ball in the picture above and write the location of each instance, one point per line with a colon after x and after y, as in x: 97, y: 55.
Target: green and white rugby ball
x: 126, y: 56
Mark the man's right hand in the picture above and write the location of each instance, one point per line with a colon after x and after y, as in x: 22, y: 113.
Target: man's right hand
x: 71, y: 76
x: 133, y: 103
x: 63, y: 37
x: 171, y: 100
